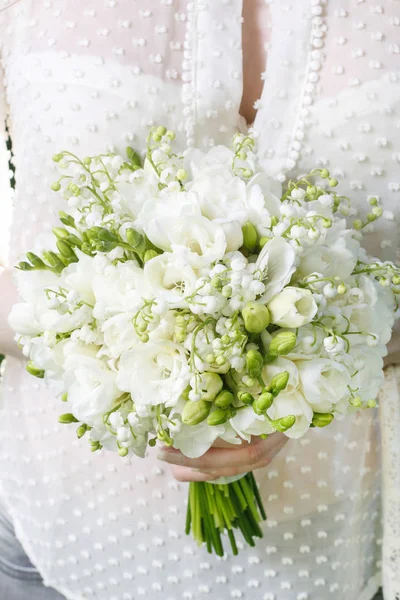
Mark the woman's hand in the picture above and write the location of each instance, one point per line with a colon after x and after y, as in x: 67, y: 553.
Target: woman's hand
x: 224, y: 460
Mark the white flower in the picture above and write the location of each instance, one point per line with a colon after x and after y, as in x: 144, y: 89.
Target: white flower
x: 90, y: 384
x: 160, y: 212
x: 171, y: 279
x: 293, y: 307
x: 277, y: 260
x: 194, y: 440
x: 119, y: 335
x: 334, y: 344
x: 293, y: 403
x: 154, y: 373
x: 324, y: 383
x: 246, y: 423
x: 118, y: 289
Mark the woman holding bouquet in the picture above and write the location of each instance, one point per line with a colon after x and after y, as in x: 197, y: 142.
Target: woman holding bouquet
x: 319, y: 81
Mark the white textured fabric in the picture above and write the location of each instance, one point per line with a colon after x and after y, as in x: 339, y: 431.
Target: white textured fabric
x: 94, y: 75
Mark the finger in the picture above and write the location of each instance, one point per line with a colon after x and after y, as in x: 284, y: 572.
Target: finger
x: 232, y: 470
x: 185, y: 474
x: 219, y: 458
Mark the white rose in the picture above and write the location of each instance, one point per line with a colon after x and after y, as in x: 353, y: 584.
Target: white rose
x: 154, y: 373
x: 324, y: 383
x: 277, y: 261
x: 91, y: 386
x: 159, y: 214
x: 171, y: 279
x: 292, y: 404
x: 293, y: 307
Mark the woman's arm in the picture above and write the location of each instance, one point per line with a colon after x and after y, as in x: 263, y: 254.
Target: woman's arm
x: 8, y: 296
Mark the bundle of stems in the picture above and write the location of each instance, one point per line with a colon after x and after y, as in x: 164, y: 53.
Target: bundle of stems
x: 214, y: 509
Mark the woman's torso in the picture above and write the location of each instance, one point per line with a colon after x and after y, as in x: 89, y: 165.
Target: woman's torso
x: 96, y: 76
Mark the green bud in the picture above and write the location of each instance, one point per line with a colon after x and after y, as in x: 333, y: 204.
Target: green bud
x: 123, y: 452
x: 25, y: 266
x: 80, y: 432
x: 218, y: 417
x: 373, y: 201
x: 185, y: 393
x: 357, y: 224
x: 210, y: 386
x: 53, y: 260
x: 66, y: 219
x: 254, y: 363
x: 322, y: 419
x: 333, y: 182
x: 149, y: 255
x: 65, y: 249
x: 224, y: 399
x: 263, y: 403
x: 152, y: 442
x: 61, y: 233
x: 263, y: 241
x: 256, y: 317
x: 181, y: 174
x: 324, y: 173
x: 341, y: 289
x: 133, y: 157
x: 161, y: 130
x: 35, y: 260
x: 64, y: 397
x: 35, y: 371
x: 227, y: 291
x: 95, y: 446
x: 246, y: 398
x: 396, y: 279
x: 136, y: 240
x: 284, y: 423
x: 311, y: 190
x: 279, y: 382
x: 56, y: 186
x: 356, y: 401
x: 67, y: 418
x: 87, y: 160
x: 274, y: 221
x: 377, y: 211
x: 57, y: 157
x: 283, y: 343
x: 371, y: 403
x: 195, y: 412
x: 371, y: 217
x: 250, y: 236
x: 216, y: 283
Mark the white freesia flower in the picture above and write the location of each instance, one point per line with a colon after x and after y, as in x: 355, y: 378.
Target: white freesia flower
x: 292, y: 404
x: 79, y: 276
x: 277, y: 261
x: 293, y: 307
x: 154, y: 373
x: 324, y: 383
x: 171, y: 278
x: 246, y: 423
x: 119, y: 335
x: 194, y: 440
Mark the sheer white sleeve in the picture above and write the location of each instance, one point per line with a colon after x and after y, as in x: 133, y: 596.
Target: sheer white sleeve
x: 5, y: 190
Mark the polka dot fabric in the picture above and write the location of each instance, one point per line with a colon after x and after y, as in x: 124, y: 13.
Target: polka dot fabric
x: 93, y: 76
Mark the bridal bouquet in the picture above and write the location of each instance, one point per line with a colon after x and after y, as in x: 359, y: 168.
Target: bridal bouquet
x: 190, y: 298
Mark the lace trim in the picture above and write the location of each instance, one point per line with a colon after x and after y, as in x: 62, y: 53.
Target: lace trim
x: 390, y: 429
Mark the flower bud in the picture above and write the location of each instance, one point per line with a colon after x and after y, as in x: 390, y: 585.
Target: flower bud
x: 67, y: 418
x: 246, y: 398
x: 123, y: 452
x: 224, y: 399
x: 149, y: 254
x: 65, y: 249
x: 263, y: 241
x: 284, y: 423
x: 64, y: 397
x: 95, y: 446
x: 283, y: 343
x: 322, y: 419
x: 256, y: 317
x: 133, y: 156
x: 136, y: 240
x: 210, y: 386
x: 254, y: 363
x: 35, y: 260
x: 35, y: 371
x: 263, y: 403
x: 195, y: 412
x: 250, y: 236
x: 80, y: 432
x: 279, y: 382
x: 218, y: 417
x: 61, y: 233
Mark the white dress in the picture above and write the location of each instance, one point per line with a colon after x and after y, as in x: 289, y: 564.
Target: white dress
x: 93, y: 75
